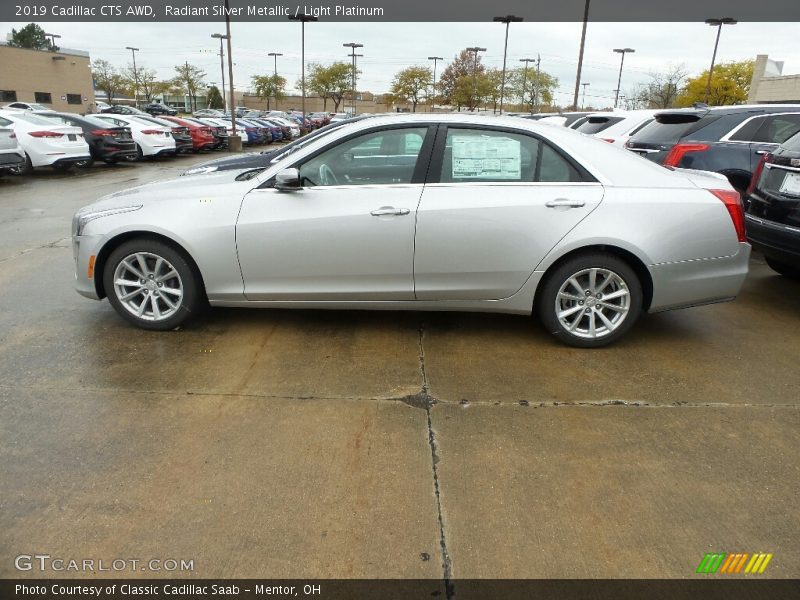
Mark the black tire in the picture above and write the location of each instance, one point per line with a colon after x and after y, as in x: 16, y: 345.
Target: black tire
x: 622, y: 320
x: 26, y: 168
x: 139, y: 155
x: 188, y: 304
x: 782, y: 268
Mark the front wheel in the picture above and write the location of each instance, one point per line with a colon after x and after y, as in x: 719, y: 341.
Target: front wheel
x: 783, y: 269
x: 152, y: 285
x: 591, y: 300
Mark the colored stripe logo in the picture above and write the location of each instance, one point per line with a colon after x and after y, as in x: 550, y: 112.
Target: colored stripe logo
x: 733, y: 563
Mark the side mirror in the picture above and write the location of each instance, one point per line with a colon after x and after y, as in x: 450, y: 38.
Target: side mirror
x: 287, y: 180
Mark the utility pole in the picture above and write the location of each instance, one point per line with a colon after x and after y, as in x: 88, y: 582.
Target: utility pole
x: 508, y: 19
x: 221, y: 37
x: 583, y: 100
x: 275, y: 56
x: 525, y: 79
x: 718, y: 23
x: 621, y: 51
x: 135, y: 76
x: 435, y: 60
x: 304, y: 18
x: 234, y: 140
x: 580, y: 54
x: 475, y: 50
x: 353, y: 46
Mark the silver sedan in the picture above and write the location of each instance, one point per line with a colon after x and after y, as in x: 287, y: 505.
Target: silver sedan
x: 423, y: 212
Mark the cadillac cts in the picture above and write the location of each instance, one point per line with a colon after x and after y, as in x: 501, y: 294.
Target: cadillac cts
x: 424, y: 212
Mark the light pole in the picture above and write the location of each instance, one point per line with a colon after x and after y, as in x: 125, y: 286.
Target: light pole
x: 508, y: 19
x: 580, y: 54
x: 275, y: 56
x: 583, y: 99
x: 353, y: 46
x: 304, y: 18
x: 435, y: 60
x: 475, y: 50
x: 718, y: 23
x: 525, y: 78
x: 53, y: 37
x: 222, y: 36
x: 135, y: 76
x: 621, y: 51
x: 234, y: 140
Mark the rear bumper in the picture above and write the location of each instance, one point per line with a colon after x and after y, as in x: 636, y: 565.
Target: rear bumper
x: 774, y: 240
x: 697, y: 282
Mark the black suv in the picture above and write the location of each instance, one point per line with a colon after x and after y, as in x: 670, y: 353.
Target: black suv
x: 156, y: 108
x: 727, y: 139
x: 772, y: 205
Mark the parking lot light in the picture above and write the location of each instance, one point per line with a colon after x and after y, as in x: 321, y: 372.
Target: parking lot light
x: 304, y: 18
x: 435, y: 60
x: 475, y: 50
x: 508, y: 19
x: 621, y: 51
x: 353, y: 55
x: 718, y: 23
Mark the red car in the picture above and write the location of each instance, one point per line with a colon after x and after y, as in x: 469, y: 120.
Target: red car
x: 202, y: 135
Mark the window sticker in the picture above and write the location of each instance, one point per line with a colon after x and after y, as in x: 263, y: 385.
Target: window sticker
x: 486, y: 157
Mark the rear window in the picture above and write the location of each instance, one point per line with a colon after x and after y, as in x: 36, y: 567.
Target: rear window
x: 597, y: 124
x: 793, y: 143
x: 666, y: 130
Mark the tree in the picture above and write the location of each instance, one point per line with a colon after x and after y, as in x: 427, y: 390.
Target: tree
x: 269, y: 86
x: 532, y: 89
x: 188, y: 80
x: 494, y: 83
x: 410, y: 83
x: 215, y: 98
x: 31, y: 36
x: 466, y: 64
x: 331, y: 82
x: 730, y: 84
x: 106, y: 79
x: 662, y: 91
x: 144, y: 82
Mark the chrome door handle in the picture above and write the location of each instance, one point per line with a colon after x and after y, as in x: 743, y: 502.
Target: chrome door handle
x: 565, y: 203
x: 389, y: 210
x: 762, y: 152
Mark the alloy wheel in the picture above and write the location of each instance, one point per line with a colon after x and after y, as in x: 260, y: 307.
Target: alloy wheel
x: 592, y: 303
x: 148, y: 286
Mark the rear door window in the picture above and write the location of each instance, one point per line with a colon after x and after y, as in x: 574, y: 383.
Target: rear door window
x: 777, y: 129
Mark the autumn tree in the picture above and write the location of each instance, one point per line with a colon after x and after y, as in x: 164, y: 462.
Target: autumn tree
x: 730, y: 84
x: 531, y: 89
x: 107, y: 79
x: 31, y: 36
x: 330, y: 82
x: 409, y: 85
x: 453, y: 87
x: 267, y: 87
x: 189, y: 79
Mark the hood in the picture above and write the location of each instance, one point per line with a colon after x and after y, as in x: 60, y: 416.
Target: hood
x: 198, y: 186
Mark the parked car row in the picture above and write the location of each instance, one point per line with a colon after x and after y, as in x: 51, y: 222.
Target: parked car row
x: 756, y: 147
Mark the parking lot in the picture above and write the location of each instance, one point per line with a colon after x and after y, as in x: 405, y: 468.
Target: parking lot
x: 388, y: 444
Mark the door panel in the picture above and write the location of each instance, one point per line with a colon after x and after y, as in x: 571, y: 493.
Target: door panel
x: 482, y: 241
x: 323, y: 243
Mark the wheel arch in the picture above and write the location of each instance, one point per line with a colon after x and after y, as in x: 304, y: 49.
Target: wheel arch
x: 633, y: 261
x: 118, y: 240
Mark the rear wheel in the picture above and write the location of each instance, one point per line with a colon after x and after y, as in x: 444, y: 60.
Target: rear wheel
x: 784, y: 269
x: 25, y: 168
x: 591, y: 300
x: 152, y: 285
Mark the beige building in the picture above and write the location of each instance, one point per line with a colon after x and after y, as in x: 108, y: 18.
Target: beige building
x: 59, y: 80
x: 313, y: 104
x: 770, y: 85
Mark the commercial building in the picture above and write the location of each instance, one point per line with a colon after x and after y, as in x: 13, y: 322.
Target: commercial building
x: 59, y: 80
x: 770, y: 86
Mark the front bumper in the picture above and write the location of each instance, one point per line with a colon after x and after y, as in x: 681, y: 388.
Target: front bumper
x: 696, y: 282
x: 774, y: 240
x: 83, y: 249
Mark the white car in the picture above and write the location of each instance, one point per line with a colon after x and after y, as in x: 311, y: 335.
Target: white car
x: 32, y: 106
x: 292, y: 125
x: 616, y: 127
x: 219, y: 122
x: 151, y: 139
x: 11, y: 154
x: 46, y: 143
x: 424, y: 212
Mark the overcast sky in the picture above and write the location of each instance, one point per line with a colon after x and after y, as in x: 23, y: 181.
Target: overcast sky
x: 389, y: 47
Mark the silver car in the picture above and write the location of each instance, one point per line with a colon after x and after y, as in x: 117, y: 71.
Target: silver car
x: 424, y: 212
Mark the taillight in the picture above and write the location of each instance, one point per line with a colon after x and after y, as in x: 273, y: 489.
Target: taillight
x: 45, y: 134
x: 678, y: 151
x: 103, y: 133
x: 733, y: 202
x: 757, y: 173
x: 152, y: 132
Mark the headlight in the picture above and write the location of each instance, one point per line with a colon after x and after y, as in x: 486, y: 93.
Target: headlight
x: 81, y: 219
x: 199, y: 170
